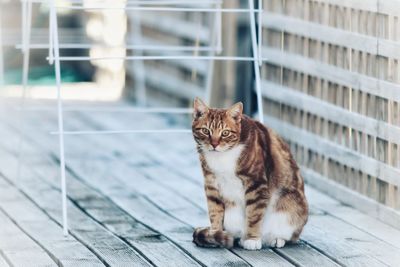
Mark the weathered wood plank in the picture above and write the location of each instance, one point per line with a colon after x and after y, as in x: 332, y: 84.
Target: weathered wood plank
x: 195, y: 218
x: 332, y: 73
x: 170, y: 84
x: 336, y: 247
x: 342, y: 252
x: 354, y: 217
x: 17, y: 247
x: 199, y: 66
x: 265, y: 257
x: 3, y: 262
x: 367, y: 205
x: 125, y: 171
x: 47, y: 233
x: 382, y: 251
x: 108, y: 247
x: 148, y: 212
x: 322, y: 33
x: 301, y: 254
x: 287, y: 96
x: 385, y: 6
x: 154, y: 246
x: 186, y: 29
x: 159, y: 219
x: 334, y: 151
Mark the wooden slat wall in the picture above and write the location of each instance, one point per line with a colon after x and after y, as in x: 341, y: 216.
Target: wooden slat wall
x: 331, y: 87
x: 172, y: 82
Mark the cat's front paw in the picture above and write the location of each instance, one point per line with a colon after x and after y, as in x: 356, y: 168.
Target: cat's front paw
x: 251, y: 244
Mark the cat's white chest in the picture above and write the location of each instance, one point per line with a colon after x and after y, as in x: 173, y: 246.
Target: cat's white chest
x: 223, y: 165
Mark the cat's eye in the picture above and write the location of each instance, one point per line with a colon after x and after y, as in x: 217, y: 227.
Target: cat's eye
x: 205, y: 131
x: 225, y: 133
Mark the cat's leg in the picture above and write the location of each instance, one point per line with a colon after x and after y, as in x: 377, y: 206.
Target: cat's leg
x: 234, y: 222
x: 216, y: 206
x: 213, y: 236
x: 285, y: 218
x: 257, y: 199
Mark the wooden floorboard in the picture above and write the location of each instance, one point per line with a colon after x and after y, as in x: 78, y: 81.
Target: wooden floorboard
x: 144, y: 194
x: 17, y: 247
x: 186, y: 213
x: 341, y: 249
x: 44, y: 231
x: 182, y: 237
x: 3, y: 262
x: 152, y: 245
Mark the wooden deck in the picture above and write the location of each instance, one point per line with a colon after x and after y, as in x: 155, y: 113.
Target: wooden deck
x: 134, y: 199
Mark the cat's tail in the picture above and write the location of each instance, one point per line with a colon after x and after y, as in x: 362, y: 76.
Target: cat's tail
x: 205, y: 237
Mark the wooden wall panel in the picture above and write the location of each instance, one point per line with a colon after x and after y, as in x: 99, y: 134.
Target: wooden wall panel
x: 331, y: 87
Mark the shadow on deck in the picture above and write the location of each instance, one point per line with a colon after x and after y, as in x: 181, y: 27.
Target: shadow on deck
x: 134, y: 199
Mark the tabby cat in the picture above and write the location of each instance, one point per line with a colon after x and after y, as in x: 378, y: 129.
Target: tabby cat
x: 255, y: 193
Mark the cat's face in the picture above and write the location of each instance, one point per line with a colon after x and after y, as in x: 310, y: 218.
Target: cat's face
x: 216, y: 130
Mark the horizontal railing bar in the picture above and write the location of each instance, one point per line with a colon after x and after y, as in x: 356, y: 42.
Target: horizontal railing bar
x: 130, y: 47
x: 115, y: 109
x: 178, y: 57
x: 163, y: 9
x: 106, y: 132
x: 139, y: 2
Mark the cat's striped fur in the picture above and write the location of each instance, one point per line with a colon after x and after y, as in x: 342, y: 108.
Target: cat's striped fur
x: 254, y: 189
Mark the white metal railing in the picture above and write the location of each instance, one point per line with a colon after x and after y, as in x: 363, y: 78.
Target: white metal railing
x: 214, y: 49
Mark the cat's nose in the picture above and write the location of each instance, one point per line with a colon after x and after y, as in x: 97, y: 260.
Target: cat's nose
x: 214, y: 143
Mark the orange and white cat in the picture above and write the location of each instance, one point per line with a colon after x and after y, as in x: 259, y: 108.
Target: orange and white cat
x: 254, y: 189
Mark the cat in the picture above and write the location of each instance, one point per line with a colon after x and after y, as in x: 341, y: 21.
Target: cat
x: 255, y: 192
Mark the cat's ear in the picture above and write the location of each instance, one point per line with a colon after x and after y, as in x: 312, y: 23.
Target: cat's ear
x: 200, y: 108
x: 236, y: 111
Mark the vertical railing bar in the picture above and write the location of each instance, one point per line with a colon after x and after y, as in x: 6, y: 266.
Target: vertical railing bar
x: 255, y: 61
x: 54, y: 27
x: 214, y: 39
x: 26, y: 36
x: 260, y: 14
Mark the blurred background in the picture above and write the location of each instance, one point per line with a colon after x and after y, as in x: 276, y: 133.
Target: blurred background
x: 330, y: 78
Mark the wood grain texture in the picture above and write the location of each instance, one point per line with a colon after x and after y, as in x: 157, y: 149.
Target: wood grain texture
x: 39, y: 227
x: 339, y: 249
x: 149, y: 193
x: 331, y: 70
x: 18, y: 248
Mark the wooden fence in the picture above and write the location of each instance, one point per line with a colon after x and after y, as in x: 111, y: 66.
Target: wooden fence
x: 172, y: 82
x: 331, y: 87
x: 177, y: 82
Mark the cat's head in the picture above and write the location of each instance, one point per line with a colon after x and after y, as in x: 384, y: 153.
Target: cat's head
x: 216, y: 129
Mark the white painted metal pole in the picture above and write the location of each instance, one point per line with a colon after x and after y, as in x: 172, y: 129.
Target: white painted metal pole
x: 54, y: 27
x: 161, y: 9
x: 259, y: 15
x: 255, y: 61
x: 1, y: 53
x: 26, y: 37
x: 104, y: 132
x: 215, y: 39
x: 138, y: 65
x: 26, y: 50
x: 167, y: 57
x: 51, y: 43
x: 219, y: 28
x: 146, y: 47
